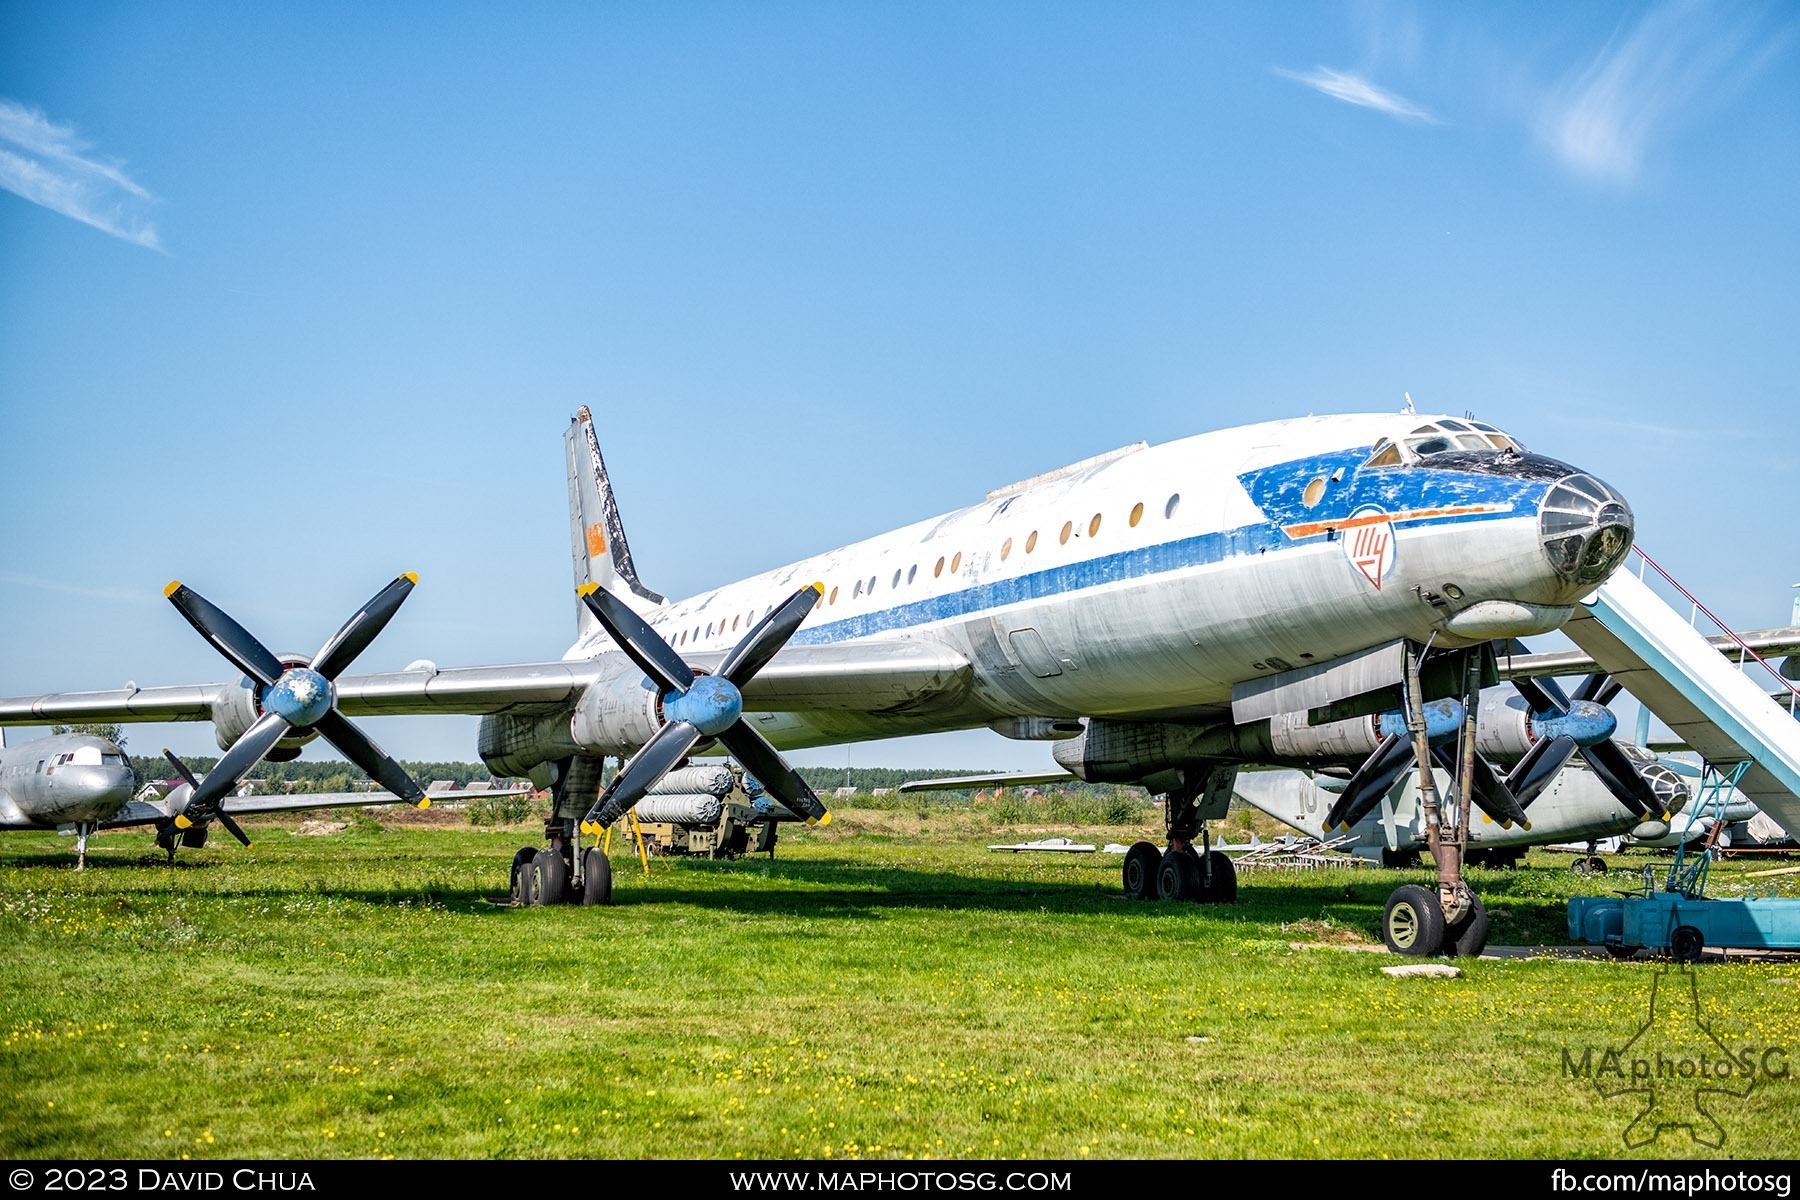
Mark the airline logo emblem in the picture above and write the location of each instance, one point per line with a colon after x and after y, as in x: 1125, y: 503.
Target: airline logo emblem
x: 1369, y: 543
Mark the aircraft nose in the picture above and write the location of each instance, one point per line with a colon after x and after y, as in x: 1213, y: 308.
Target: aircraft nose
x: 1585, y: 528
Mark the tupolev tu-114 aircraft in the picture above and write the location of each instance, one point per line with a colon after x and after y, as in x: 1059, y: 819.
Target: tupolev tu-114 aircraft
x: 1287, y: 577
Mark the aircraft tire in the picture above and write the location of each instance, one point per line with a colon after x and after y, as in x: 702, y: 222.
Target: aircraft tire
x: 1413, y: 924
x: 1686, y: 943
x: 1583, y: 867
x: 1596, y: 866
x: 1178, y: 876
x: 1469, y: 936
x: 528, y: 883
x: 596, y: 878
x: 1224, y: 880
x: 1141, y: 864
x: 549, y: 878
x: 515, y: 884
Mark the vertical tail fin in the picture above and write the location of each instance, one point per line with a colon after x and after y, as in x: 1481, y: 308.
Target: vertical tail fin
x: 597, y: 537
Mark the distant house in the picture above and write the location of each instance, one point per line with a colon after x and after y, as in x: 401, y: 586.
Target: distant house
x: 840, y: 793
x: 882, y: 792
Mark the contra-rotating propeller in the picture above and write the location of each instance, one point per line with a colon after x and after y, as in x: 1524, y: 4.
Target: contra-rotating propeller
x: 1552, y: 710
x: 1395, y: 755
x: 300, y: 697
x: 697, y: 707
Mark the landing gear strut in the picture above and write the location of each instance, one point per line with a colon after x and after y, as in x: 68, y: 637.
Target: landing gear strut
x: 1182, y: 872
x: 82, y: 830
x: 1420, y: 922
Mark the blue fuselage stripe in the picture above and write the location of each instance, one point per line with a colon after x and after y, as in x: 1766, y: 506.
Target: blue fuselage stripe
x: 1182, y: 554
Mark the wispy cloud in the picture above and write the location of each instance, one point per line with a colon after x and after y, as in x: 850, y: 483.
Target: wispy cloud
x: 1680, y: 57
x: 49, y: 164
x: 1352, y: 88
x: 125, y: 595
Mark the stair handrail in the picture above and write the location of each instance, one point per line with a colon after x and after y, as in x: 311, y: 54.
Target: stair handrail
x: 1744, y: 649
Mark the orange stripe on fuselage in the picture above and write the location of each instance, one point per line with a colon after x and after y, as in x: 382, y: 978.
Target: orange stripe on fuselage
x: 1315, y: 528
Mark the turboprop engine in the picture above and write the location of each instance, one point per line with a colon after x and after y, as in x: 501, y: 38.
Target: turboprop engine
x: 234, y: 712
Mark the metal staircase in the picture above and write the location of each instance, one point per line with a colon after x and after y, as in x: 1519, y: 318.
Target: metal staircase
x: 1722, y: 710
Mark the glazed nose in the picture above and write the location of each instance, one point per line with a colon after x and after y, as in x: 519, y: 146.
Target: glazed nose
x: 1585, y: 528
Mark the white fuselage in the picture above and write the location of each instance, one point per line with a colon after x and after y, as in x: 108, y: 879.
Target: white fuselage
x: 1146, y: 585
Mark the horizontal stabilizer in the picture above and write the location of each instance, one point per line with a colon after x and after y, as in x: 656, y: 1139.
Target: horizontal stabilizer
x: 970, y: 783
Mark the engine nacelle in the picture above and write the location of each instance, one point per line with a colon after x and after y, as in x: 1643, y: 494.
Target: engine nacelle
x: 236, y: 710
x: 618, y: 713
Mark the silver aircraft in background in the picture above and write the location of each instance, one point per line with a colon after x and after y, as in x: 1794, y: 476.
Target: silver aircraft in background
x: 79, y: 784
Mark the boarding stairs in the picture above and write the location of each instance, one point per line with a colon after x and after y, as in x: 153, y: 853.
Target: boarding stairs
x: 1722, y: 710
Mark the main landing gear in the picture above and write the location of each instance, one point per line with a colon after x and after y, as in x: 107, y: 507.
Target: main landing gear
x: 562, y: 872
x: 1203, y: 875
x: 1420, y: 922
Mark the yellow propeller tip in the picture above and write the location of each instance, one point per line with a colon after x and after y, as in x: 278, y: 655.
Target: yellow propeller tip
x: 824, y: 820
x: 182, y: 822
x: 174, y: 586
x: 819, y: 586
x: 1525, y: 825
x: 410, y: 576
x: 587, y: 589
x: 425, y: 802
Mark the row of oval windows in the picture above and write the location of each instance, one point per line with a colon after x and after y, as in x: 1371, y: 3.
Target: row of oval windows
x: 911, y: 573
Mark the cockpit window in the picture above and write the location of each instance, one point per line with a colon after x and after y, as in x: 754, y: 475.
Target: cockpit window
x: 1450, y: 434
x: 1387, y: 454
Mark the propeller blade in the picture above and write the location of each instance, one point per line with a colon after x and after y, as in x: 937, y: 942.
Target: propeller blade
x: 244, y: 754
x: 1491, y: 793
x: 181, y: 769
x: 654, y: 760
x: 1370, y: 783
x: 769, y: 636
x: 1533, y: 773
x: 655, y: 657
x: 1598, y: 687
x: 1621, y: 778
x: 763, y: 761
x: 233, y: 640
x: 232, y: 827
x: 356, y: 746
x: 343, y: 647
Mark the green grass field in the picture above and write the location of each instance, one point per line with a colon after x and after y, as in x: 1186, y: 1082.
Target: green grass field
x: 883, y: 988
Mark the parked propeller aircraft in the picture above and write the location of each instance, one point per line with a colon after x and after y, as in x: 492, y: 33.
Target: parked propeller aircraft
x: 1576, y: 805
x: 80, y: 784
x: 1275, y: 575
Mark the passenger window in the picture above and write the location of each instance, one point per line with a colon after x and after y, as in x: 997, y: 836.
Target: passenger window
x: 896, y: 577
x: 1005, y: 549
x: 1094, y: 526
x: 1031, y: 541
x: 856, y: 590
x: 833, y: 599
x: 1137, y: 513
x: 911, y: 571
x: 871, y: 585
x: 1068, y: 528
x: 956, y: 563
x: 939, y: 569
x: 1173, y: 504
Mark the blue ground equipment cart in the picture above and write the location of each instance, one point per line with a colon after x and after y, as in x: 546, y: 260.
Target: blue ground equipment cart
x: 1678, y: 918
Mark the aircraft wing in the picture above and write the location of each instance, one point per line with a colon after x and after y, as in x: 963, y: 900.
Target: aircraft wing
x: 1770, y: 643
x: 144, y: 812
x: 968, y: 783
x: 866, y: 676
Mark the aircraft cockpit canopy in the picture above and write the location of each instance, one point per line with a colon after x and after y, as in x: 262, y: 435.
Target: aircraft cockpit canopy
x: 1441, y: 437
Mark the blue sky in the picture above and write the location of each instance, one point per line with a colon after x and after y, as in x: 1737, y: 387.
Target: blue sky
x: 295, y: 297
